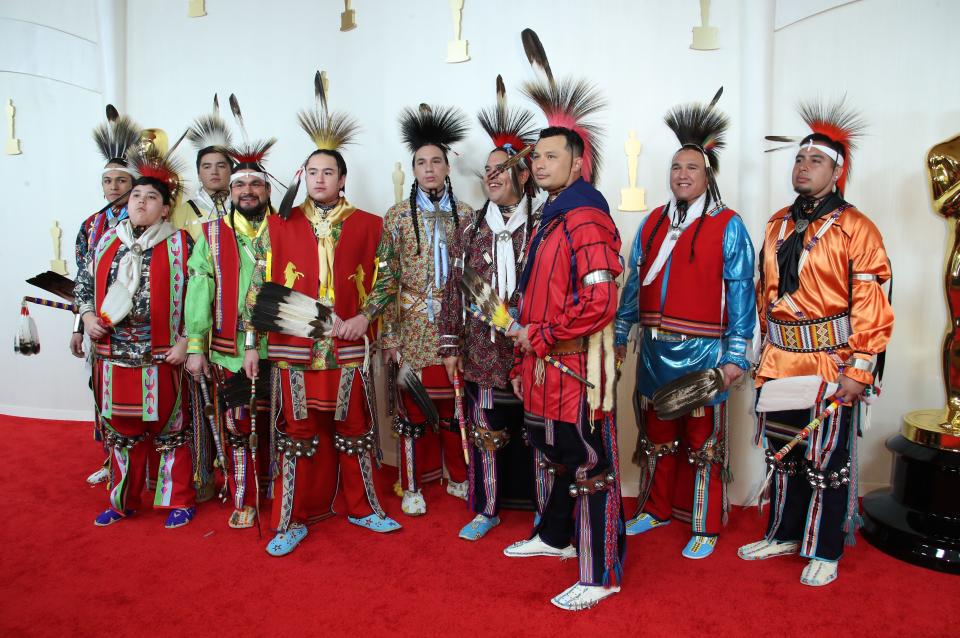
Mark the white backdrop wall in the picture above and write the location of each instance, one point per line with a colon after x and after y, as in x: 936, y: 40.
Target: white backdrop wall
x: 636, y: 51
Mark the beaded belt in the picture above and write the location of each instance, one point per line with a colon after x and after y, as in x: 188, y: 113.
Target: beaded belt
x: 811, y: 335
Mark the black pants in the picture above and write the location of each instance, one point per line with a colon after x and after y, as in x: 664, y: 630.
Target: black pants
x: 593, y: 522
x: 798, y: 511
x: 501, y: 478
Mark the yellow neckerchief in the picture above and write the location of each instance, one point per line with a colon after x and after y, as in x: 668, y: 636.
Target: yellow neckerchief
x: 243, y: 225
x: 326, y: 245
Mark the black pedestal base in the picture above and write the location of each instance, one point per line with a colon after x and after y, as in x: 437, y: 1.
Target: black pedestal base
x: 917, y: 519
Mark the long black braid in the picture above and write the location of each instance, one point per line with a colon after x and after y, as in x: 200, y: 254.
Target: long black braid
x: 453, y: 204
x: 413, y: 213
x: 706, y: 207
x: 646, y: 248
x: 413, y: 209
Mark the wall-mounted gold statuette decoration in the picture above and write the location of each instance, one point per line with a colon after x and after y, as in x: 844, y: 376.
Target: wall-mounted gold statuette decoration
x: 196, y: 8
x: 57, y: 264
x: 457, y: 48
x: 12, y: 147
x: 398, y: 182
x: 705, y: 37
x: 632, y: 199
x: 348, y: 19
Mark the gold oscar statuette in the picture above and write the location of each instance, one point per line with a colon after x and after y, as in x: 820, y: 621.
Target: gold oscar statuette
x: 941, y: 428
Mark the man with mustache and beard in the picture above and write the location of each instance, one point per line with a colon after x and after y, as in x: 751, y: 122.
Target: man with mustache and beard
x: 221, y: 266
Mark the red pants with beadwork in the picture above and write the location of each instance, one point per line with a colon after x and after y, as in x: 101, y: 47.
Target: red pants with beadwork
x: 678, y: 486
x: 305, y: 488
x: 174, y: 468
x: 424, y: 458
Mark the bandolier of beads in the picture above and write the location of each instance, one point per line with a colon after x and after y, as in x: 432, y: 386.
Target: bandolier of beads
x: 291, y: 447
x: 353, y: 445
x: 833, y: 480
x: 649, y: 448
x: 121, y: 442
x: 790, y: 468
x: 490, y: 440
x: 709, y: 454
x: 238, y: 440
x: 167, y: 442
x: 404, y: 428
x: 592, y: 485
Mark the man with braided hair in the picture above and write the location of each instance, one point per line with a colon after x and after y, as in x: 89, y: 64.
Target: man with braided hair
x: 691, y: 290
x: 825, y: 318
x: 414, y: 264
x: 492, y: 242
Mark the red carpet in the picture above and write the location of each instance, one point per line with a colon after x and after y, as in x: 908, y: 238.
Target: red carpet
x: 61, y: 576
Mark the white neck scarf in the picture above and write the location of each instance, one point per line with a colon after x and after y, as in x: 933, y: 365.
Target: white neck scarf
x: 694, y: 210
x: 502, y: 245
x: 118, y: 302
x: 208, y: 206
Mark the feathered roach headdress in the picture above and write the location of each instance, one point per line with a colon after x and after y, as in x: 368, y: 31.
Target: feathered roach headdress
x: 702, y: 128
x: 835, y: 130
x: 165, y: 169
x: 508, y: 128
x: 511, y: 130
x: 329, y: 132
x: 115, y: 137
x: 250, y: 155
x: 567, y: 103
x: 441, y: 126
x: 210, y: 131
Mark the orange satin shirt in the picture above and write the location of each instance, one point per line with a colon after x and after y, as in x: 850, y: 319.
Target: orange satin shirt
x: 824, y: 291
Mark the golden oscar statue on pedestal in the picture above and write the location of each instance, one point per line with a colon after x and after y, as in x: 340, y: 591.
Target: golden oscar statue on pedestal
x: 917, y: 519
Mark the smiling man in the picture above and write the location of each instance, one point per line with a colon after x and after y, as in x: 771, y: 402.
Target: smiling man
x: 492, y: 242
x: 691, y: 290
x: 825, y: 317
x: 131, y: 303
x: 221, y: 266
